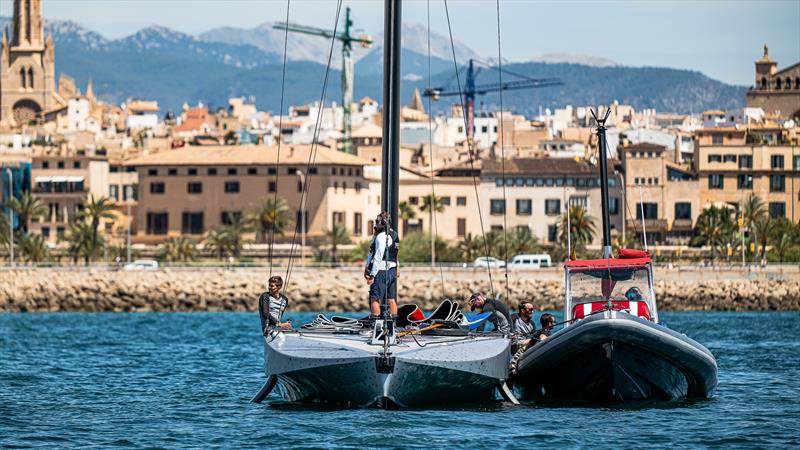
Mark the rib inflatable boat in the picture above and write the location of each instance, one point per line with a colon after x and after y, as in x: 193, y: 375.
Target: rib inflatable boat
x: 612, y: 348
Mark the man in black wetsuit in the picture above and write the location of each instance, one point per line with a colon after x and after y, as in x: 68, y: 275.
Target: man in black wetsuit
x: 272, y: 304
x: 500, y: 319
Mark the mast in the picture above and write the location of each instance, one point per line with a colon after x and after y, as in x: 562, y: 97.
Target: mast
x: 602, y: 148
x: 390, y: 175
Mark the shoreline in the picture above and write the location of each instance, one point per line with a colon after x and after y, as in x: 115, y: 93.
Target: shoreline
x: 343, y: 290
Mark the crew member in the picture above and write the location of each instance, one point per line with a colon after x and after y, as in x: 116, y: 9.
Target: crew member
x: 524, y: 323
x: 499, y: 319
x: 272, y: 304
x: 381, y: 267
x: 548, y: 321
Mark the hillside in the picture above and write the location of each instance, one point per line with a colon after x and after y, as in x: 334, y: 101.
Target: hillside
x: 173, y: 67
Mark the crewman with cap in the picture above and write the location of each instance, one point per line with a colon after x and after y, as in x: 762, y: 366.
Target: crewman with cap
x: 500, y: 318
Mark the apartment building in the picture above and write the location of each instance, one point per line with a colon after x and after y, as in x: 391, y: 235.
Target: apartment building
x: 660, y: 195
x: 537, y: 191
x: 63, y: 181
x: 193, y: 189
x: 760, y: 160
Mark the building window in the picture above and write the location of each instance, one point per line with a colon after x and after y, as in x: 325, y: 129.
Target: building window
x: 338, y: 218
x: 60, y: 232
x: 716, y: 181
x: 357, y: 224
x: 729, y: 158
x: 293, y: 171
x: 358, y: 186
x: 445, y: 201
x: 192, y: 223
x: 252, y: 171
x: 714, y: 158
x: 113, y: 192
x: 228, y: 217
x: 613, y: 205
x: 524, y: 207
x: 498, y: 228
x: 46, y: 232
x: 157, y: 188
x: 172, y: 172
x: 655, y: 180
x: 683, y: 210
x: 272, y: 171
x: 45, y: 164
x: 194, y: 187
x: 745, y: 161
x: 777, y: 210
x: 552, y: 206
x: 461, y: 227
x: 497, y: 206
x: 191, y: 172
x: 272, y: 186
x: 776, y: 161
x: 461, y: 201
x: 413, y: 200
x: 498, y: 182
x: 152, y: 172
x: 581, y: 201
x: 552, y: 233
x: 312, y: 170
x: 716, y: 139
x: 650, y: 210
x: 777, y: 183
x: 76, y: 164
x: 157, y: 223
x: 212, y: 171
x: 231, y: 187
x: 744, y: 182
x: 333, y: 170
x: 232, y: 171
x: 796, y: 158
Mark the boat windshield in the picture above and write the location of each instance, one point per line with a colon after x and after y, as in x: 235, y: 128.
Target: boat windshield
x: 600, y: 284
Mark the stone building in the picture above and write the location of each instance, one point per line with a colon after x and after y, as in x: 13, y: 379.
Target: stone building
x: 27, y: 67
x: 776, y: 91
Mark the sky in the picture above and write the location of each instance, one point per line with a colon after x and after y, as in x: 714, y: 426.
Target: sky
x: 720, y: 38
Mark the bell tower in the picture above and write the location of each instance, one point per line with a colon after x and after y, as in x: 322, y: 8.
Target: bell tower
x: 27, y: 67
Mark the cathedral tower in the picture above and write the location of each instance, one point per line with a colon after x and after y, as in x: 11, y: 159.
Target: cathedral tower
x: 27, y: 67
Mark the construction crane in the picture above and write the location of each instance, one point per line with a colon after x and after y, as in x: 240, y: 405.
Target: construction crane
x: 347, y: 39
x: 471, y: 89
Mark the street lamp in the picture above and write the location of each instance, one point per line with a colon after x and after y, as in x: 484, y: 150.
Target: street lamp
x: 10, y: 216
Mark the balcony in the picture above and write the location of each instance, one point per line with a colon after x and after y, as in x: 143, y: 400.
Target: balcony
x: 650, y: 224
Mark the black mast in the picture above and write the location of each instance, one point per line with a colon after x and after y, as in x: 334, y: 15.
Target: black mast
x: 390, y: 179
x: 603, y: 150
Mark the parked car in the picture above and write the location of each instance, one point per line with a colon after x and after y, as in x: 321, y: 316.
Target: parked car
x: 142, y: 264
x: 534, y: 261
x: 484, y: 262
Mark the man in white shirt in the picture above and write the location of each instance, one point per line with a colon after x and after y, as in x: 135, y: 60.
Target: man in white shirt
x: 381, y: 268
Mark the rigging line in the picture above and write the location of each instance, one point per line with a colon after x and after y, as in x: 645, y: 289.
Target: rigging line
x: 503, y: 155
x: 430, y: 150
x: 314, y: 145
x: 469, y: 149
x: 280, y: 140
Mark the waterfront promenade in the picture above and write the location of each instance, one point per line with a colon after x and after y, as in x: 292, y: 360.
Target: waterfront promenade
x: 687, y: 288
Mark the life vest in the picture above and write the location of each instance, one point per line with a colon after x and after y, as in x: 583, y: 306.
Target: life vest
x: 394, y: 249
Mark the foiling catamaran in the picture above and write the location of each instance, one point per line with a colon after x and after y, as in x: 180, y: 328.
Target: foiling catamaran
x: 613, y: 348
x: 404, y: 362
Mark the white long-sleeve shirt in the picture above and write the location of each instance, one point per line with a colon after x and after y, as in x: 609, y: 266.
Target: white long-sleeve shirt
x: 382, y: 241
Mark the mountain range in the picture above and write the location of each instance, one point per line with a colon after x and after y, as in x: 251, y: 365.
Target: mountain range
x: 173, y: 67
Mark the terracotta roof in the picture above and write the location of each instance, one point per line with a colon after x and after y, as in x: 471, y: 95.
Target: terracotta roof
x: 142, y: 106
x: 542, y: 166
x: 645, y: 146
x: 245, y: 155
x: 368, y: 130
x: 714, y: 112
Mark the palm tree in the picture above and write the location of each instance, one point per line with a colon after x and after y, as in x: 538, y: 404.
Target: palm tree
x: 178, y: 248
x: 28, y: 207
x: 752, y: 210
x: 5, y: 230
x: 79, y: 241
x: 33, y: 248
x: 763, y: 228
x: 492, y: 244
x: 217, y: 241
x: 628, y: 240
x: 784, y: 236
x: 96, y: 210
x: 522, y: 241
x: 234, y: 231
x: 432, y: 204
x: 469, y: 247
x: 713, y: 226
x: 271, y: 217
x: 337, y: 236
x: 405, y: 212
x: 581, y: 227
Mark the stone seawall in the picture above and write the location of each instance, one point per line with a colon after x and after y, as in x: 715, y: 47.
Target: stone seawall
x: 74, y: 289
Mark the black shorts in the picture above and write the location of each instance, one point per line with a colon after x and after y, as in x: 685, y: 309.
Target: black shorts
x: 385, y: 285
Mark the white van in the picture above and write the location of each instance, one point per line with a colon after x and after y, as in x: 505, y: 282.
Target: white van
x: 531, y: 261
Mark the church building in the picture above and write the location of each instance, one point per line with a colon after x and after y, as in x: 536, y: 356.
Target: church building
x: 27, y: 68
x: 777, y: 92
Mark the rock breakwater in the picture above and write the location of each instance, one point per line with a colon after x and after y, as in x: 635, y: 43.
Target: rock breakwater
x: 45, y: 290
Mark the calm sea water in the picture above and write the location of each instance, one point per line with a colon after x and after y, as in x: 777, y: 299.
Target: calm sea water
x: 185, y: 380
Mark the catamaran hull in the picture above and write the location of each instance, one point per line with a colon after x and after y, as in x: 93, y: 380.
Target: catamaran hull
x: 353, y: 374
x: 616, y: 357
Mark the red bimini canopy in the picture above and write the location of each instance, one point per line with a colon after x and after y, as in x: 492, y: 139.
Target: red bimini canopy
x: 627, y: 258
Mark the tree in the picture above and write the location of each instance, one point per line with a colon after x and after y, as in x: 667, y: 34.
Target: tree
x: 79, y: 241
x: 492, y: 245
x: 337, y: 236
x: 785, y: 235
x: 28, y: 207
x: 178, y: 248
x: 405, y: 213
x: 753, y: 210
x: 5, y: 230
x: 33, y: 248
x: 714, y: 227
x: 763, y: 228
x: 272, y: 217
x: 95, y: 210
x: 628, y: 240
x: 581, y: 228
x: 216, y: 241
x: 522, y: 241
x: 432, y: 204
x: 470, y: 247
x: 234, y: 231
